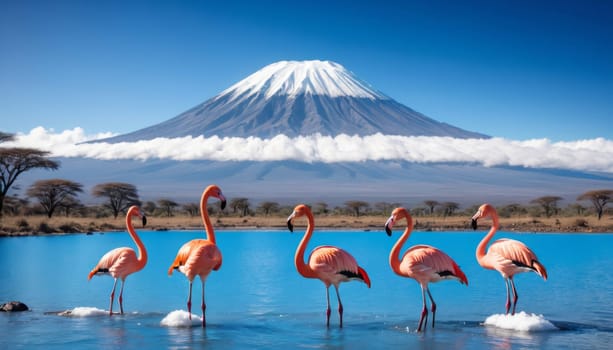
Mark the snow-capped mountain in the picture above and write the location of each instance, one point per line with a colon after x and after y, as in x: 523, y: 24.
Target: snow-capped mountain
x: 294, y: 78
x: 298, y: 98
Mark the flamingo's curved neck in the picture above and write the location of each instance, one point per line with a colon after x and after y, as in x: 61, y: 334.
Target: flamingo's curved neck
x: 142, y: 252
x: 208, y: 227
x: 480, y: 253
x: 304, y: 269
x: 395, y: 252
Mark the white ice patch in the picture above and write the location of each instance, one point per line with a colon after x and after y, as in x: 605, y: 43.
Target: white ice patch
x: 521, y: 321
x: 84, y: 311
x: 180, y: 318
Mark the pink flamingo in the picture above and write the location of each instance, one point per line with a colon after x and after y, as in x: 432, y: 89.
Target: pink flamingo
x: 506, y: 256
x: 199, y: 256
x: 121, y: 262
x: 423, y: 263
x: 330, y: 264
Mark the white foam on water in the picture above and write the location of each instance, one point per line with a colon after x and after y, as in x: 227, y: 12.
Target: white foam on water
x: 521, y: 321
x: 84, y: 311
x: 180, y: 318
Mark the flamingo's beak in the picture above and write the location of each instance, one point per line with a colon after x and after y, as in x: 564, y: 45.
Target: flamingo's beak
x: 388, y: 226
x: 222, y: 198
x: 473, y: 223
x: 475, y: 217
x: 144, y: 220
x: 290, y: 224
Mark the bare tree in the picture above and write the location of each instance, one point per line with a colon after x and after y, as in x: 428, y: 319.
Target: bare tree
x: 320, y: 208
x: 268, y: 207
x: 240, y: 204
x: 50, y: 193
x: 149, y: 207
x: 548, y: 203
x: 355, y: 206
x: 70, y: 205
x: 121, y: 195
x: 15, y: 161
x: 513, y: 209
x: 431, y: 204
x: 449, y: 208
x: 14, y: 205
x: 385, y: 208
x: 599, y: 199
x: 575, y: 209
x: 167, y: 206
x: 191, y: 209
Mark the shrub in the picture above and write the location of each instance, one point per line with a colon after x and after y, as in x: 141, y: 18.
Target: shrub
x: 43, y: 227
x: 70, y: 228
x: 581, y: 223
x: 23, y: 225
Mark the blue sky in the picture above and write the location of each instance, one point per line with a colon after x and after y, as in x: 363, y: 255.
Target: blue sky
x: 514, y: 69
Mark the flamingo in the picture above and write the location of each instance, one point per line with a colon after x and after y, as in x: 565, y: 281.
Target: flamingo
x: 506, y: 256
x: 121, y: 262
x: 423, y: 263
x: 199, y: 256
x: 330, y: 264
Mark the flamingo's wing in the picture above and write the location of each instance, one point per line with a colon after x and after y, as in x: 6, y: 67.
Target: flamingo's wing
x: 334, y: 265
x: 181, y: 257
x: 197, y: 257
x: 515, y: 255
x: 332, y: 259
x: 515, y: 251
x: 427, y: 263
x: 118, y: 262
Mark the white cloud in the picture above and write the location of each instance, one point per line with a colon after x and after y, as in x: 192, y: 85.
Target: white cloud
x: 591, y: 155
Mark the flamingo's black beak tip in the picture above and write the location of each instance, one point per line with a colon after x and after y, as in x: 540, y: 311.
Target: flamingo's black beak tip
x: 290, y: 226
x: 473, y: 224
x: 144, y: 220
x: 388, y: 230
x: 223, y: 204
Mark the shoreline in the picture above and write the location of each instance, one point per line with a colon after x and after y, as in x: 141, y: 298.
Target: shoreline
x: 43, y: 226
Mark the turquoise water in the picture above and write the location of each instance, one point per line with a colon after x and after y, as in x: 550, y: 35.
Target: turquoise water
x: 257, y: 299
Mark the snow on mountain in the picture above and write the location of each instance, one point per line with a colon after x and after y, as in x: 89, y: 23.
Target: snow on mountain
x: 295, y: 78
x: 298, y: 98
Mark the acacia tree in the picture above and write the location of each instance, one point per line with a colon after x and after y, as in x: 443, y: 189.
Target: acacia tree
x: 320, y: 208
x: 120, y: 195
x: 13, y: 205
x: 449, y: 208
x: 167, y: 206
x: 548, y: 203
x: 149, y: 207
x: 70, y: 204
x: 512, y: 209
x: 191, y: 209
x: 599, y: 199
x: 14, y: 161
x: 431, y: 204
x: 50, y: 193
x: 240, y: 204
x: 385, y: 207
x: 268, y: 207
x: 355, y: 206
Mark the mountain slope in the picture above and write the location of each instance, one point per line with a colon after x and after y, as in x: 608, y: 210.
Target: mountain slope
x: 298, y: 98
x: 289, y: 182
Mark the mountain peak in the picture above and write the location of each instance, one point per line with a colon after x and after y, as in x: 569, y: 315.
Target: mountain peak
x: 293, y: 78
x: 296, y: 98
